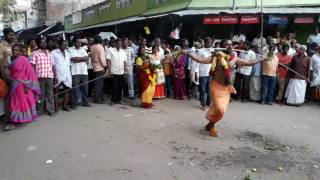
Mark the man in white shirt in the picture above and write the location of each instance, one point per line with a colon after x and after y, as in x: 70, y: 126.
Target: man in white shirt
x: 239, y: 37
x: 259, y: 42
x: 292, y: 50
x: 315, y: 37
x: 315, y: 69
x: 157, y: 43
x: 133, y: 46
x: 193, y: 68
x: 79, y: 72
x: 117, y: 66
x: 243, y: 73
x: 204, y: 77
x: 61, y: 61
x: 130, y: 61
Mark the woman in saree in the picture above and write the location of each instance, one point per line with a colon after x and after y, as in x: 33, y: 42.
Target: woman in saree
x: 179, y: 85
x: 147, y: 79
x: 24, y: 90
x: 160, y: 80
x: 221, y: 86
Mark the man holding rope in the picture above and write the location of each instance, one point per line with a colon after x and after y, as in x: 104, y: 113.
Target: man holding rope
x: 221, y: 85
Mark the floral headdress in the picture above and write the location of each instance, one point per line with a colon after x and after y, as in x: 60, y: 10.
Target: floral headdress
x: 220, y: 57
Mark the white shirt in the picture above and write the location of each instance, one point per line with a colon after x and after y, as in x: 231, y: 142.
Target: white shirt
x: 117, y: 58
x: 193, y: 67
x: 135, y: 48
x: 78, y: 68
x: 291, y: 52
x: 204, y: 69
x: 110, y: 49
x: 161, y: 53
x: 238, y: 38
x: 130, y: 56
x: 314, y: 39
x: 62, y: 64
x: 249, y: 55
x: 315, y: 68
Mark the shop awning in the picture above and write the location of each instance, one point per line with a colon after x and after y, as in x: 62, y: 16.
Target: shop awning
x: 29, y: 32
x: 52, y: 29
x: 179, y: 9
x: 56, y: 33
x: 227, y: 4
x: 110, y: 23
x: 305, y: 10
x: 46, y: 29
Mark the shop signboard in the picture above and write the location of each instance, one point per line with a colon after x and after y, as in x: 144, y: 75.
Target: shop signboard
x: 211, y: 20
x: 77, y: 17
x: 89, y: 12
x: 280, y: 20
x: 105, y: 6
x: 220, y: 20
x: 304, y: 20
x: 228, y: 20
x: 250, y: 19
x: 123, y: 3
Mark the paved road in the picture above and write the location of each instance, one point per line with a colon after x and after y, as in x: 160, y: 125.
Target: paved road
x: 167, y: 142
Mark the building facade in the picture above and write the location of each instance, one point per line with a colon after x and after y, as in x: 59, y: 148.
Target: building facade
x: 25, y: 14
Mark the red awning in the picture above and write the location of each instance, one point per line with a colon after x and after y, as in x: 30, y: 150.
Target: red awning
x: 249, y: 19
x: 304, y: 20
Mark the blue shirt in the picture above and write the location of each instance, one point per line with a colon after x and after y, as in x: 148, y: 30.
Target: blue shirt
x: 256, y: 70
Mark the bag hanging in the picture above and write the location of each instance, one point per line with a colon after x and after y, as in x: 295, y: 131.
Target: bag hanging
x: 160, y: 77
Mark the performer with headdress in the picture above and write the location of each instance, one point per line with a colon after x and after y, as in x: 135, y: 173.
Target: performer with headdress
x: 221, y: 85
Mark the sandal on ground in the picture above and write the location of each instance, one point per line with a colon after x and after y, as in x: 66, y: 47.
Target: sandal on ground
x: 9, y: 127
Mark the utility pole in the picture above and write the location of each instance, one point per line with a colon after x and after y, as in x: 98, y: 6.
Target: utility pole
x: 262, y: 21
x: 233, y: 4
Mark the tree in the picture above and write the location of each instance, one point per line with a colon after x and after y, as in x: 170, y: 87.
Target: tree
x: 7, y: 10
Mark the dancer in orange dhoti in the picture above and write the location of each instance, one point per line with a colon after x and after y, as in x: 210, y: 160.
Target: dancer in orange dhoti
x: 222, y: 64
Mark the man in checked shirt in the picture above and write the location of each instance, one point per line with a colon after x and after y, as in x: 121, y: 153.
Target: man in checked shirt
x: 42, y: 61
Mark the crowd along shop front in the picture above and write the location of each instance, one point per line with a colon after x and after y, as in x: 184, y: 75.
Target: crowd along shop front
x: 224, y: 25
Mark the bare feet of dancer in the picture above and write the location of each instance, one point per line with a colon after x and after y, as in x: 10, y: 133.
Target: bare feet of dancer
x: 213, y: 132
x: 209, y: 126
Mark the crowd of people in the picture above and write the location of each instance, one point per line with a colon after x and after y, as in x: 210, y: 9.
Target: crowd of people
x: 48, y: 74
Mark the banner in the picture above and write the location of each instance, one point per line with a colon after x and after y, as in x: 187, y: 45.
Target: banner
x: 211, y: 20
x: 303, y: 20
x: 220, y: 20
x: 249, y: 20
x: 229, y: 19
x: 281, y: 20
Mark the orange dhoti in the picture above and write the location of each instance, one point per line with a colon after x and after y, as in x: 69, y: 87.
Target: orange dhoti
x: 220, y: 95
